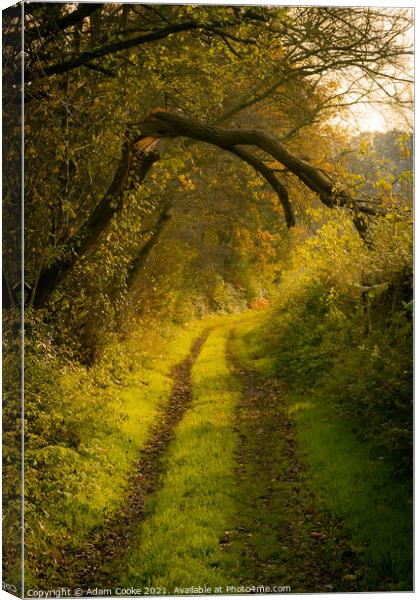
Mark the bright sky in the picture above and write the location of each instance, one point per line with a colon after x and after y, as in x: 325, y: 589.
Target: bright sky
x: 367, y: 118
x: 361, y: 118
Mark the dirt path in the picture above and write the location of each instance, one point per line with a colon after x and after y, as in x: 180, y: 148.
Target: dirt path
x: 93, y: 565
x: 283, y: 538
x: 280, y: 536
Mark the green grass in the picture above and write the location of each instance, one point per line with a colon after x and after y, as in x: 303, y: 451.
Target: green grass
x: 87, y: 432
x: 346, y: 475
x: 179, y: 541
x: 356, y: 486
x: 106, y: 416
x: 118, y: 438
x: 249, y: 345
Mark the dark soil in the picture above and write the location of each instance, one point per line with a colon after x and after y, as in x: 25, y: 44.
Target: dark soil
x: 284, y: 536
x: 93, y: 564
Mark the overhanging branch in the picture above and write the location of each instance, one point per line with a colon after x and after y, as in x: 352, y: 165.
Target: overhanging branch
x: 163, y: 123
x: 139, y: 154
x: 269, y: 175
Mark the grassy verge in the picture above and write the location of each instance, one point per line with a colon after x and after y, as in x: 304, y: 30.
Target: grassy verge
x: 346, y: 475
x: 131, y: 408
x: 179, y: 542
x: 357, y: 486
x: 85, y: 429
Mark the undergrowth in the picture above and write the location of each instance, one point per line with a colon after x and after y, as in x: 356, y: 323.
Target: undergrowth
x: 84, y: 429
x: 340, y: 337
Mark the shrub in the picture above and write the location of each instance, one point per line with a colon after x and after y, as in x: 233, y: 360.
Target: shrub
x: 342, y: 329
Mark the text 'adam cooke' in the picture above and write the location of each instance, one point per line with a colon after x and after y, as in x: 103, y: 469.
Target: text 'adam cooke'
x: 193, y: 590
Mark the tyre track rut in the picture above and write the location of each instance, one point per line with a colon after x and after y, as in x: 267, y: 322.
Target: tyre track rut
x: 284, y: 536
x: 94, y: 564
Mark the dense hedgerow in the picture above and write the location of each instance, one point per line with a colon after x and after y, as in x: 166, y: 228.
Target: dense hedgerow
x: 342, y: 329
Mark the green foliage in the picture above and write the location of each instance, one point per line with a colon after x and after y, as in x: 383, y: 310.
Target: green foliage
x: 220, y: 248
x: 358, y: 485
x: 341, y: 328
x: 84, y: 429
x: 341, y: 337
x: 347, y: 341
x: 12, y: 447
x: 384, y: 163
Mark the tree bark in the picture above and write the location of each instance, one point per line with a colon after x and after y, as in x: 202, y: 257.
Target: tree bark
x: 8, y: 296
x: 135, y: 164
x: 145, y: 250
x: 269, y: 175
x: 163, y: 123
x: 88, y: 56
x: 84, y: 10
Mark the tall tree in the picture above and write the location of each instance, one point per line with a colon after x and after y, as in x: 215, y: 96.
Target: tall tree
x: 95, y: 72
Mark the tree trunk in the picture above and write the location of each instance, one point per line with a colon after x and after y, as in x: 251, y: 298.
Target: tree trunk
x: 133, y: 168
x: 8, y: 296
x: 145, y: 250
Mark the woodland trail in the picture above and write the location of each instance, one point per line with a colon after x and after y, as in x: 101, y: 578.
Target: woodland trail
x: 285, y: 539
x: 275, y: 535
x: 92, y: 564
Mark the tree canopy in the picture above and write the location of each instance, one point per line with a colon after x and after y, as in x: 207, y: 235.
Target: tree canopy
x: 118, y: 95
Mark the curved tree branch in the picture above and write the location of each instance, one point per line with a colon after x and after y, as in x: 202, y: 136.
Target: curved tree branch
x: 163, y: 123
x: 142, y: 151
x: 269, y: 175
x: 88, y: 56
